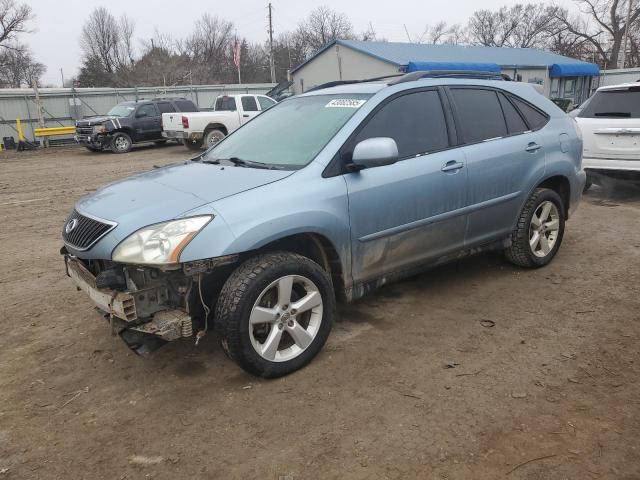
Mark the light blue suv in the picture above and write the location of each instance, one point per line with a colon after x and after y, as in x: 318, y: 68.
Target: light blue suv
x: 325, y: 196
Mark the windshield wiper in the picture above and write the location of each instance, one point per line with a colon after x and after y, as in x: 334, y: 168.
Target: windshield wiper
x: 240, y: 162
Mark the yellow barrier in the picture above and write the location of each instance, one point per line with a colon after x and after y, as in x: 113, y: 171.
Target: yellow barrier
x: 19, y: 128
x: 49, y: 132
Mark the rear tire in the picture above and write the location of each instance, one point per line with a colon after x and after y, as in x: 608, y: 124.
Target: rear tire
x: 121, y: 143
x: 212, y: 137
x: 192, y: 145
x: 274, y: 313
x: 539, y: 230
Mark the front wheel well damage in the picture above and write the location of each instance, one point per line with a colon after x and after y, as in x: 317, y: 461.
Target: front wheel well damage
x: 311, y: 245
x: 559, y: 184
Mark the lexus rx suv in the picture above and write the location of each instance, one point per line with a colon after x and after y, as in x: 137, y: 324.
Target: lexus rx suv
x: 325, y: 197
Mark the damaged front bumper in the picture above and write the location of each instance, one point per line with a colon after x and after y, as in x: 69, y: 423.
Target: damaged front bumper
x: 145, y: 316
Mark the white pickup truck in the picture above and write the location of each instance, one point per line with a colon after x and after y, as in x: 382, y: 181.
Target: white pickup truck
x: 196, y: 129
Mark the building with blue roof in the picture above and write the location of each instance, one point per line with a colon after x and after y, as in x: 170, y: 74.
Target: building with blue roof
x: 557, y: 76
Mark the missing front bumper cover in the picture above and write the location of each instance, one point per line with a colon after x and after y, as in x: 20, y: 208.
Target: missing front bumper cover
x: 120, y: 308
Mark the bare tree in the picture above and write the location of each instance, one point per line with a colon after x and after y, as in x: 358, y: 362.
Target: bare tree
x: 19, y: 68
x: 108, y: 39
x: 521, y: 26
x: 322, y: 26
x: 208, y: 47
x: 14, y: 18
x: 126, y: 50
x: 604, y: 26
x: 17, y: 65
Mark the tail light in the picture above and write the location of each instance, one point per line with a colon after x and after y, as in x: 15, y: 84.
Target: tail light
x: 185, y: 122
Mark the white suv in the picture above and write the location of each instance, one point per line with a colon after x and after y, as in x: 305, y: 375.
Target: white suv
x: 610, y: 126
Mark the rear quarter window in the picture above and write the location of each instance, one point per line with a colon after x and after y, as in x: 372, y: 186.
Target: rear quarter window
x: 613, y: 104
x: 186, y: 106
x: 515, y: 122
x: 534, y: 117
x: 165, y: 107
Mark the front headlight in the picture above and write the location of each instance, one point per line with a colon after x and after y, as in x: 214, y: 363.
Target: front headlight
x: 99, y: 129
x: 159, y: 244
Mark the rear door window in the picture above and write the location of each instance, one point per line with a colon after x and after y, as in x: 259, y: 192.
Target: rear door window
x: 479, y: 114
x: 148, y: 110
x: 226, y: 104
x: 249, y: 104
x: 165, y: 107
x: 613, y: 104
x: 515, y: 123
x: 534, y: 117
x: 415, y: 121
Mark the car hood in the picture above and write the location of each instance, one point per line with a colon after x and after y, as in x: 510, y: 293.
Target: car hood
x: 87, y: 122
x: 168, y: 192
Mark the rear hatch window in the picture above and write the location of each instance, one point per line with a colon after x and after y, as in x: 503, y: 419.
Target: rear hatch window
x: 613, y: 104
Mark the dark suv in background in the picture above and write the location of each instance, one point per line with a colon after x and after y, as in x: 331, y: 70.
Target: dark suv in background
x: 128, y: 123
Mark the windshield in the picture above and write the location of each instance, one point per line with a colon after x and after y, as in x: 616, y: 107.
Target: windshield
x: 613, y: 103
x: 121, y: 111
x: 291, y: 133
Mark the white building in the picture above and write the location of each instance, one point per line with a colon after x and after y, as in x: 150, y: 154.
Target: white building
x: 559, y: 76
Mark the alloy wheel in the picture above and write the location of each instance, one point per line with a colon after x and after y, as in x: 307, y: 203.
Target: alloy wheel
x: 544, y: 228
x: 285, y: 318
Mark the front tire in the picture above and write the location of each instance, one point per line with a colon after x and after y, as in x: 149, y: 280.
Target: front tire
x: 539, y: 230
x: 121, y: 143
x: 274, y: 313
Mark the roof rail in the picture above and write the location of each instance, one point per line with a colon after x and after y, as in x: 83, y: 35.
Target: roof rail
x: 156, y: 99
x: 482, y: 75
x: 349, y: 82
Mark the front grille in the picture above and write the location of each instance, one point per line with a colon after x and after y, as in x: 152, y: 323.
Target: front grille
x: 84, y: 130
x: 85, y: 232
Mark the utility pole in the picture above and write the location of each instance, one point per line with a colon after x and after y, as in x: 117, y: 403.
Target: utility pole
x: 45, y: 141
x: 272, y: 64
x: 62, y: 77
x: 626, y: 35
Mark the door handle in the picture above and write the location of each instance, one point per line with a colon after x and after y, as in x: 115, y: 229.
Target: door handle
x: 246, y: 115
x: 532, y: 147
x: 452, y: 166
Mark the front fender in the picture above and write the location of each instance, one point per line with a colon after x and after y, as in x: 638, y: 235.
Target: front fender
x: 303, y: 202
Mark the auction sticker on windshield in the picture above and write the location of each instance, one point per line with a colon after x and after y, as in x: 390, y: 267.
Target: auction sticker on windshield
x: 345, y: 103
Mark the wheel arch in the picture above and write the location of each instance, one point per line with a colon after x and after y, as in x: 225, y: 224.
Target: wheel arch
x: 216, y: 126
x: 561, y: 185
x: 316, y: 247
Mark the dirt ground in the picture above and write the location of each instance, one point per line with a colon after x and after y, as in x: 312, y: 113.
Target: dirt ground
x: 551, y: 391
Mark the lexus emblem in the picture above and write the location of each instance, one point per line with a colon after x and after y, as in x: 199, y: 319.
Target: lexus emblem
x: 71, y: 225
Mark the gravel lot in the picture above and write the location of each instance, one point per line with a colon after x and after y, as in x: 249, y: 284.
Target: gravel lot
x: 550, y: 392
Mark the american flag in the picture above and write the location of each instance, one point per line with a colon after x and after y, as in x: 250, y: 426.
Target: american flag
x: 236, y: 54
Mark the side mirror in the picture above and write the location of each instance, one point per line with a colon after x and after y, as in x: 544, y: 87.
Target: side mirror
x: 375, y: 152
x: 141, y: 114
